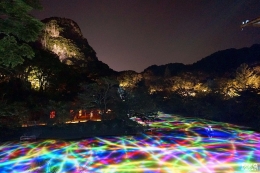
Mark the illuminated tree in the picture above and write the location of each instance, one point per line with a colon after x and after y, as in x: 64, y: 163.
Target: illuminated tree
x: 155, y: 84
x: 187, y: 84
x: 245, y: 77
x: 129, y: 79
x: 46, y: 73
x: 152, y: 83
x: 17, y: 29
x: 222, y: 86
x: 41, y: 69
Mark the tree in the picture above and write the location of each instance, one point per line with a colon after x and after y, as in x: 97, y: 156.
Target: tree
x: 167, y: 72
x: 47, y: 74
x: 99, y: 94
x: 187, y: 84
x: 139, y: 101
x: 42, y: 69
x: 129, y: 79
x: 15, y: 112
x: 17, y: 29
x: 60, y: 109
x: 245, y: 77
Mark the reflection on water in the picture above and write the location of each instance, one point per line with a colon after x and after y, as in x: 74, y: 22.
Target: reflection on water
x: 173, y: 144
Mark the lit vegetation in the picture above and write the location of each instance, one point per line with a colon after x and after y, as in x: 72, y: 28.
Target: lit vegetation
x: 63, y: 47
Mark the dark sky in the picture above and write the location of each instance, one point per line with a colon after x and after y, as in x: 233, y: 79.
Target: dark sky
x: 134, y: 34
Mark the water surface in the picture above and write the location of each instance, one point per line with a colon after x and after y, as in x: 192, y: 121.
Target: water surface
x: 173, y: 144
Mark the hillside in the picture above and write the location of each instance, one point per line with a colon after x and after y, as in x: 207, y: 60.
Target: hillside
x: 217, y: 63
x: 63, y: 37
x: 226, y: 60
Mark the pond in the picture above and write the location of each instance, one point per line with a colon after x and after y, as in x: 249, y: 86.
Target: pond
x: 172, y: 144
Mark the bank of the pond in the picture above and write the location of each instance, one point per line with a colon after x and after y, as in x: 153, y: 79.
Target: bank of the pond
x: 250, y: 124
x: 72, y: 131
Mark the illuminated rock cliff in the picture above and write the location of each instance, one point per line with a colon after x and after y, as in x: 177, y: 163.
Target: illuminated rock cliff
x: 63, y: 37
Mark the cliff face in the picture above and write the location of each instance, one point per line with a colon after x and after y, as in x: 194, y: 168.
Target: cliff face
x: 63, y: 37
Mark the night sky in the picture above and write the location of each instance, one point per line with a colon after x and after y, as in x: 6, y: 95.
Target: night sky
x: 134, y: 34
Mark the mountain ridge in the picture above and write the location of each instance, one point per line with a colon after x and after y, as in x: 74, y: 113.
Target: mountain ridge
x: 63, y: 36
x: 218, y: 62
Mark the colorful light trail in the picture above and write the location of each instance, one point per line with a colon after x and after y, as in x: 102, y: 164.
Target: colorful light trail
x: 173, y: 145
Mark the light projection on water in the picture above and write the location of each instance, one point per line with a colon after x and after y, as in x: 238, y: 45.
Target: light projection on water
x: 173, y: 144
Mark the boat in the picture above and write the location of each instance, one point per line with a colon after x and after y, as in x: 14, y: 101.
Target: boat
x: 28, y: 138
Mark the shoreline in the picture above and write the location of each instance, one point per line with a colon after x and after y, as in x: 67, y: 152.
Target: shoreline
x: 70, y: 131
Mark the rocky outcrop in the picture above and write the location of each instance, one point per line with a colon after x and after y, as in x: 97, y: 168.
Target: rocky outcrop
x: 63, y: 37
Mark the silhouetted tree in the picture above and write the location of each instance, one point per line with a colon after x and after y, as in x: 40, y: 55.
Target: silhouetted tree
x: 17, y: 29
x: 61, y: 111
x: 167, y: 72
x: 99, y: 94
